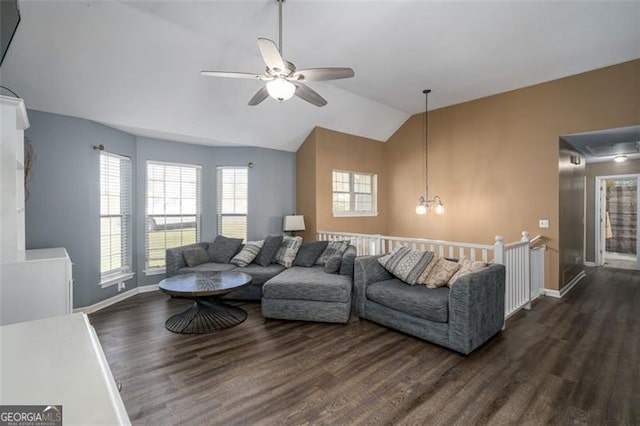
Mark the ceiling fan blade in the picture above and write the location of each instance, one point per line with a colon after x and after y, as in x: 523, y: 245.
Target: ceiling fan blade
x: 306, y: 93
x: 322, y: 74
x: 230, y: 74
x: 271, y: 54
x: 260, y: 96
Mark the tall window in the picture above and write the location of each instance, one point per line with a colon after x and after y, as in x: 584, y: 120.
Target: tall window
x: 354, y: 194
x: 172, y: 210
x: 115, y: 217
x: 233, y: 183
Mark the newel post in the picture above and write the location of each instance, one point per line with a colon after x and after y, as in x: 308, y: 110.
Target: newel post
x: 498, y: 250
x: 527, y: 269
x: 525, y: 237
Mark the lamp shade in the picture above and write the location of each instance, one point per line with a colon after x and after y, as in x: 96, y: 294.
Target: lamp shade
x: 293, y: 223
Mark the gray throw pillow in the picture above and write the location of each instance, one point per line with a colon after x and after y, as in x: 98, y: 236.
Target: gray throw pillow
x: 268, y: 250
x: 309, y: 253
x: 332, y: 265
x: 222, y: 249
x: 195, y: 256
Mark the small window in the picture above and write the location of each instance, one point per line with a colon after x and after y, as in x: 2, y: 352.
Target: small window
x: 115, y: 218
x: 233, y: 187
x: 354, y: 194
x: 172, y: 210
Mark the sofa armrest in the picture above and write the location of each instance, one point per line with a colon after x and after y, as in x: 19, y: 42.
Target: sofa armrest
x: 367, y: 270
x: 175, y: 261
x: 476, y: 308
x: 346, y: 267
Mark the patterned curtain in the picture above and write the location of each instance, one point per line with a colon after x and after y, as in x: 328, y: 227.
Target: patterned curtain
x: 622, y: 208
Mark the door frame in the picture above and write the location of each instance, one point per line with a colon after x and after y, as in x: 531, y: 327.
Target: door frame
x: 598, y: 225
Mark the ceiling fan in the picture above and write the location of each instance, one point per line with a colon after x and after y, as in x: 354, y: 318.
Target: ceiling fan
x: 281, y: 77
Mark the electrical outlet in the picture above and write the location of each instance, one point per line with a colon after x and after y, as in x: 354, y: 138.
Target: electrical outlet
x: 543, y: 223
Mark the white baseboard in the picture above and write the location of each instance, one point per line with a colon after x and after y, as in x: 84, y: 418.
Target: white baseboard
x: 593, y: 264
x: 561, y: 293
x: 115, y: 299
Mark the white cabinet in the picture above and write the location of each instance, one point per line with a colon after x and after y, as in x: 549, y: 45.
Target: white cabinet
x: 60, y: 361
x: 33, y: 283
x: 39, y: 286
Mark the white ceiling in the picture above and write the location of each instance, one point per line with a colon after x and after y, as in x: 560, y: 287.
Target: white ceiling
x: 135, y: 65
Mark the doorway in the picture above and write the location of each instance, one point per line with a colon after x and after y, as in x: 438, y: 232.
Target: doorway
x: 617, y: 222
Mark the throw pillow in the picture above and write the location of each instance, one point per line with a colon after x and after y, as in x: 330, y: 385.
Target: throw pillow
x: 309, y: 253
x: 268, y: 250
x: 195, y: 256
x: 467, y: 266
x: 222, y: 249
x: 441, y: 273
x: 247, y: 254
x: 422, y: 279
x: 332, y: 265
x: 406, y: 264
x: 288, y: 250
x: 334, y: 247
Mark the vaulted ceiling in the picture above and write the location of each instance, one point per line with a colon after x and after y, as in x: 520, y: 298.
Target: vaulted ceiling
x: 135, y: 65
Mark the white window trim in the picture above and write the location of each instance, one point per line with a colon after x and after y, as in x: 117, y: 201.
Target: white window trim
x: 124, y: 273
x: 162, y: 270
x: 374, y: 183
x: 114, y: 279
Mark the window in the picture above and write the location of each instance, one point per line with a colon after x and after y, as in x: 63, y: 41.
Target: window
x: 233, y: 183
x: 354, y: 194
x: 115, y: 218
x: 172, y: 210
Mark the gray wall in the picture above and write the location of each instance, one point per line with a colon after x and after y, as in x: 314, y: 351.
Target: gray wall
x: 609, y: 168
x: 63, y: 210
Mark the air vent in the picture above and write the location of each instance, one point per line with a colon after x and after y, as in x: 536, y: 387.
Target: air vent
x: 604, y: 150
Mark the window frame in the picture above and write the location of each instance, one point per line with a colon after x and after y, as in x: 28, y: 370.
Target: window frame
x: 125, y: 272
x: 156, y: 270
x: 219, y: 214
x: 352, y: 194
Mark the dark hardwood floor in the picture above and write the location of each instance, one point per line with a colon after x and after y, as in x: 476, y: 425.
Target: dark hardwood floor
x: 575, y: 360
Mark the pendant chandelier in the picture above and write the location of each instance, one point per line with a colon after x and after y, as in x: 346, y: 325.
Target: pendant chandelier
x: 424, y: 203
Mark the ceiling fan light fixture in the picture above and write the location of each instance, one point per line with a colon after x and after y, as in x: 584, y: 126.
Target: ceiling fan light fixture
x: 281, y: 89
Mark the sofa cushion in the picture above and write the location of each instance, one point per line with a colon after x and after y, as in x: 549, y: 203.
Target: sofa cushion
x: 268, y: 250
x: 261, y: 274
x: 467, y: 266
x: 309, y: 253
x: 207, y: 267
x: 288, y: 250
x: 299, y: 283
x: 332, y: 265
x: 441, y: 272
x: 247, y: 254
x: 406, y: 264
x: 419, y: 301
x: 195, y: 256
x: 333, y: 248
x: 222, y: 249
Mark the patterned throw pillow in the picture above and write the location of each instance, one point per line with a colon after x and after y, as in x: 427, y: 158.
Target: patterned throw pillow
x: 333, y: 248
x: 247, y: 254
x: 195, y: 256
x: 467, y: 266
x: 406, y: 264
x: 288, y: 250
x: 441, y: 272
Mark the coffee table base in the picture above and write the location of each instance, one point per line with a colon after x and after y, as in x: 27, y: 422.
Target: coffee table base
x: 205, y: 316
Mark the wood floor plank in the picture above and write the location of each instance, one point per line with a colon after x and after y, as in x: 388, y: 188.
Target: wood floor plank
x: 574, y: 360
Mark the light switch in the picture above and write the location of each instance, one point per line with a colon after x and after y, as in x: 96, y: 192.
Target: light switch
x: 544, y: 223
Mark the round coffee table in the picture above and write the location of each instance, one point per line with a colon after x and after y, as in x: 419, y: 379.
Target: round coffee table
x: 208, y: 313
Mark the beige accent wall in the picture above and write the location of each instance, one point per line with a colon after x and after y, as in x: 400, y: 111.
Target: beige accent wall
x: 323, y: 151
x: 494, y: 161
x: 571, y: 221
x: 609, y: 168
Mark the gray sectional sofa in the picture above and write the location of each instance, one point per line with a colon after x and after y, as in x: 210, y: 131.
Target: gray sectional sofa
x: 461, y: 318
x: 297, y: 293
